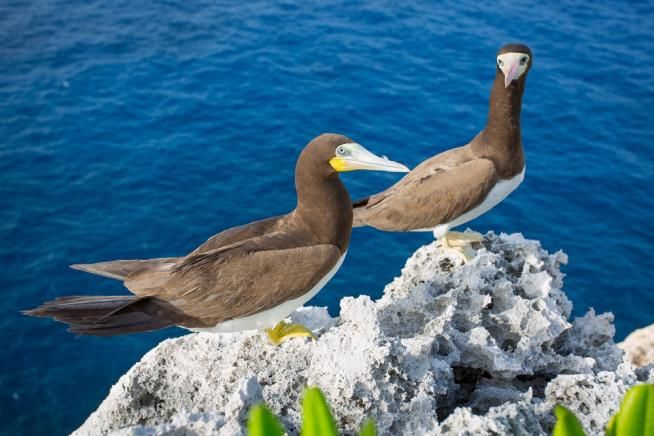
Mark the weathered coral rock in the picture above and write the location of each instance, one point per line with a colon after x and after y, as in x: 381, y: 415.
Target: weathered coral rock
x: 639, y: 346
x: 481, y: 348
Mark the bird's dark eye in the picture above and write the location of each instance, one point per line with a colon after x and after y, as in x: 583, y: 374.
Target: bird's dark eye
x: 523, y: 60
x: 340, y: 150
x: 500, y: 62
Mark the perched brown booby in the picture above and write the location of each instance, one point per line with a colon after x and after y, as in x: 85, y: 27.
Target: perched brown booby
x: 244, y: 278
x: 460, y: 184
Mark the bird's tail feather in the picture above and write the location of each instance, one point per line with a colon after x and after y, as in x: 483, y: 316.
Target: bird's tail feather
x: 109, y: 315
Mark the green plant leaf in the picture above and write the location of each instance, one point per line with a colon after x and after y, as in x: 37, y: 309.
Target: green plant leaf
x: 636, y: 415
x: 317, y: 419
x: 262, y: 422
x: 610, y: 427
x: 368, y: 429
x: 567, y: 423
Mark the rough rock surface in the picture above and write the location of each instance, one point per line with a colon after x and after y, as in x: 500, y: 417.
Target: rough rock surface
x: 639, y: 346
x: 481, y: 348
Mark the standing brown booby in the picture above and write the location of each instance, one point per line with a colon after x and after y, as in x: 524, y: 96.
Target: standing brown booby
x: 460, y: 184
x: 247, y: 277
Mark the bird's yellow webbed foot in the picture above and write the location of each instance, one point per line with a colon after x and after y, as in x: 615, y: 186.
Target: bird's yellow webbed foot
x: 284, y: 331
x: 460, y: 243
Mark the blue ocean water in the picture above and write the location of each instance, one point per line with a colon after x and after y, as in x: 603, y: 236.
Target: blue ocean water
x: 134, y: 130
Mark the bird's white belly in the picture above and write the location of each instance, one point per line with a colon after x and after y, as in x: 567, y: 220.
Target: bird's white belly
x: 499, y: 192
x: 269, y: 318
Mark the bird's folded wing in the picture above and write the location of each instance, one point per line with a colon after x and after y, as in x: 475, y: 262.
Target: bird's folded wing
x: 244, y: 278
x: 435, y: 195
x: 238, y: 234
x: 120, y: 269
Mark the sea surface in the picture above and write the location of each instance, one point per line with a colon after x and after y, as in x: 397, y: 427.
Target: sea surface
x: 139, y: 129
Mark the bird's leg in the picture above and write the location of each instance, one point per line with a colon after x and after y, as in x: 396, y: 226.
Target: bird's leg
x: 459, y: 242
x: 458, y: 239
x: 284, y: 331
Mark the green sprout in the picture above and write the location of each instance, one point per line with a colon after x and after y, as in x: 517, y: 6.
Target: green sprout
x: 368, y: 429
x: 635, y: 417
x: 317, y: 419
x: 567, y: 423
x: 262, y: 422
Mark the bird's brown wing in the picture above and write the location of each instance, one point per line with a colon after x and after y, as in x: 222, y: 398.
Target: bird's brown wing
x: 437, y: 191
x: 120, y: 269
x: 240, y: 233
x: 241, y: 279
x: 436, y: 164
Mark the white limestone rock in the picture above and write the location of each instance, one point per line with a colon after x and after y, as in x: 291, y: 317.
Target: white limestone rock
x: 481, y: 348
x: 639, y: 346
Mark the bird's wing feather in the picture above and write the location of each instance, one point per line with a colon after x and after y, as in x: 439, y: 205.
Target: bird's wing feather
x: 150, y: 279
x: 241, y: 279
x: 120, y: 269
x: 443, y: 161
x: 435, y: 192
x: 240, y: 233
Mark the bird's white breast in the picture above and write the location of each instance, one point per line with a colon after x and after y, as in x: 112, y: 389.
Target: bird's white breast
x: 498, y: 193
x: 269, y: 318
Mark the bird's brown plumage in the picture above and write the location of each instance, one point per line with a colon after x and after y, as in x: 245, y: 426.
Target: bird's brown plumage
x: 238, y: 272
x: 454, y: 182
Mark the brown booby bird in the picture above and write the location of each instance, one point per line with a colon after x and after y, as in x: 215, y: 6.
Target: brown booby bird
x: 244, y: 278
x: 460, y: 184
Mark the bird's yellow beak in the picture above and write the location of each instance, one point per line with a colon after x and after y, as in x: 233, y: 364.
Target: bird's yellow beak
x: 352, y: 156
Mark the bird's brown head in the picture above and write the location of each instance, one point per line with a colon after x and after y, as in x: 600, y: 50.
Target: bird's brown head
x: 331, y: 153
x: 323, y: 201
x: 513, y: 63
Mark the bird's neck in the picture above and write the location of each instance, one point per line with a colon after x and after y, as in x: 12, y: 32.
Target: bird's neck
x: 501, y: 139
x: 324, y: 205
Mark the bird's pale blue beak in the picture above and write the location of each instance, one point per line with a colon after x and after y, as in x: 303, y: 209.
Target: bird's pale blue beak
x: 356, y: 157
